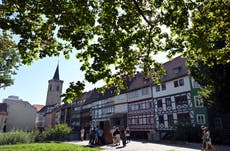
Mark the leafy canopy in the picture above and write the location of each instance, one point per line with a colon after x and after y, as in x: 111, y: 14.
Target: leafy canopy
x: 215, y: 82
x: 114, y: 38
x: 9, y: 60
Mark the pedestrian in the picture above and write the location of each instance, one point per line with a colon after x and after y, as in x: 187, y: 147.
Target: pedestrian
x: 92, y: 136
x: 208, y: 141
x: 82, y: 133
x: 97, y: 135
x: 127, y: 134
x: 203, y: 138
x: 117, y: 135
x: 112, y: 131
x: 100, y: 137
x: 123, y: 138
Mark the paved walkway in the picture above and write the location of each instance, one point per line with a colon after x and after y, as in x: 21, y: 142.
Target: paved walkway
x: 148, y: 146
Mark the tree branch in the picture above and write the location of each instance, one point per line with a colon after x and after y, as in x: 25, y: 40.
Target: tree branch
x: 142, y: 14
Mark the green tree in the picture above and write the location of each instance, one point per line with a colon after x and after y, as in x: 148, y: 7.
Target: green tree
x: 113, y: 38
x: 216, y: 84
x: 9, y: 60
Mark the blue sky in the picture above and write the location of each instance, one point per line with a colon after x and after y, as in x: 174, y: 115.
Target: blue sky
x: 31, y: 82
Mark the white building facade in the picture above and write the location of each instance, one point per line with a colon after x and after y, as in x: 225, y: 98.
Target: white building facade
x: 21, y: 114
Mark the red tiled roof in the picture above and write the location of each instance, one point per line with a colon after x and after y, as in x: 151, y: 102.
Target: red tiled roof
x: 38, y: 107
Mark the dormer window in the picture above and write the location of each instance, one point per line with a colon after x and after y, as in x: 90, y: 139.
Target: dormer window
x: 177, y: 70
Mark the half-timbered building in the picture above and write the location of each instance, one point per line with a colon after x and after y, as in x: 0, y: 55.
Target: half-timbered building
x: 173, y: 98
x: 140, y: 110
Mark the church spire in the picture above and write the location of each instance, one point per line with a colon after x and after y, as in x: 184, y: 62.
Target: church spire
x: 56, y: 74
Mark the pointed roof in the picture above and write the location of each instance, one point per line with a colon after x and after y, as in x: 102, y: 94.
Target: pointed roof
x: 56, y: 74
x: 38, y: 107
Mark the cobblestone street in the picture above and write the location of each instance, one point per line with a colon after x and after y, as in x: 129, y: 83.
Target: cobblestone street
x: 148, y: 146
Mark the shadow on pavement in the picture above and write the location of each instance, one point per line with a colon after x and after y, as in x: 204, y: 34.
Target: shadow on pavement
x: 186, y: 144
x: 160, y: 144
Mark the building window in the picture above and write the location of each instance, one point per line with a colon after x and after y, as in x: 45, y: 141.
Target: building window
x: 136, y: 106
x: 200, y: 119
x: 136, y: 121
x: 163, y: 86
x: 159, y: 103
x: 178, y: 83
x: 57, y: 88
x: 170, y: 119
x: 158, y: 88
x: 181, y: 100
x: 140, y: 120
x: 181, y: 82
x: 133, y: 105
x: 195, y: 84
x: 120, y: 97
x: 148, y: 105
x: 145, y: 91
x: 133, y: 94
x: 130, y: 107
x: 161, y: 119
x: 144, y: 120
x: 142, y: 106
x: 168, y: 101
x: 176, y: 70
x: 133, y: 120
x: 198, y: 101
x: 149, y: 119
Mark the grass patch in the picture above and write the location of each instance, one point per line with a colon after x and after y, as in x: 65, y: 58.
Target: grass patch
x: 47, y: 147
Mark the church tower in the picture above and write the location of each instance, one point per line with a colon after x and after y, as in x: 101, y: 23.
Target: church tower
x: 54, y: 89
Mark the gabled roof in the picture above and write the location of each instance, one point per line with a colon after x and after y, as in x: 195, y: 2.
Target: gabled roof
x: 177, y: 64
x: 56, y: 74
x: 45, y: 108
x: 38, y: 107
x: 139, y: 81
x: 175, y: 68
x: 3, y: 107
x: 91, y: 96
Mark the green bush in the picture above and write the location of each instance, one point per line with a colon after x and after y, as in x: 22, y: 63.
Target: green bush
x: 58, y: 133
x: 16, y: 137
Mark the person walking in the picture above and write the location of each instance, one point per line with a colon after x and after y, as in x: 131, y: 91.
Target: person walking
x: 123, y: 138
x: 92, y: 136
x: 127, y: 134
x: 208, y: 140
x: 97, y: 135
x: 112, y: 131
x: 100, y: 136
x: 117, y: 135
x: 82, y: 133
x: 203, y: 138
